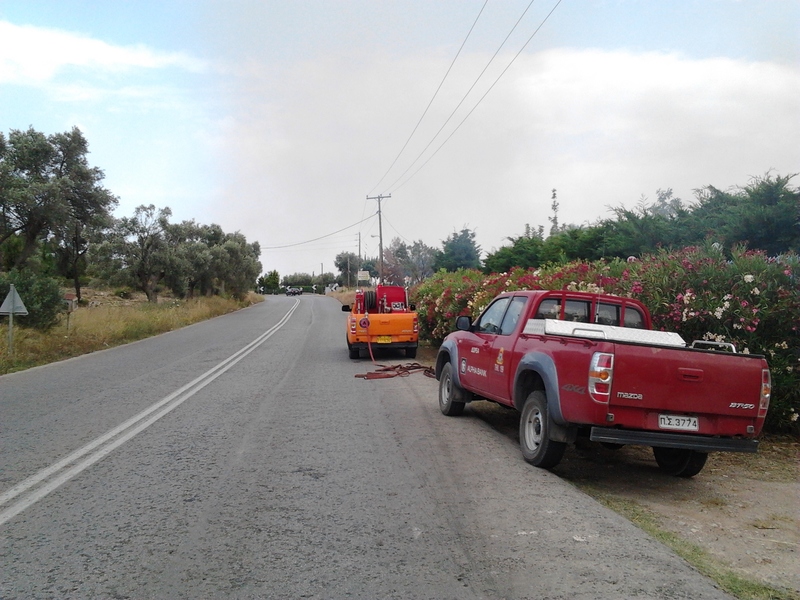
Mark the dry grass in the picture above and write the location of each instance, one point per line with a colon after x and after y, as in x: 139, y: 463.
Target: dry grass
x: 91, y: 329
x: 344, y: 295
x: 741, y: 587
x: 776, y: 459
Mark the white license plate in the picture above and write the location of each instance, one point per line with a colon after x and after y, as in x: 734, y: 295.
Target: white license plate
x: 384, y: 339
x: 678, y: 422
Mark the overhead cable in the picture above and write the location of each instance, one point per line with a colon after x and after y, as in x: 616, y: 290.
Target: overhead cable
x: 320, y: 237
x: 476, y: 105
x: 425, y: 112
x: 466, y: 95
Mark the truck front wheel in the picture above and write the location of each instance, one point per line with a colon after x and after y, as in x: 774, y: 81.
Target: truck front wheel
x: 534, y: 434
x: 680, y: 462
x: 449, y: 393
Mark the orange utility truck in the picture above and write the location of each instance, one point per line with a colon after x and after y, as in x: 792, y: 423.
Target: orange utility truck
x: 382, y: 318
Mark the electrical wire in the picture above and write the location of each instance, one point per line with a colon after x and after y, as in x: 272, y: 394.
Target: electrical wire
x: 425, y: 112
x: 466, y: 95
x: 395, y: 230
x: 318, y: 238
x: 476, y: 105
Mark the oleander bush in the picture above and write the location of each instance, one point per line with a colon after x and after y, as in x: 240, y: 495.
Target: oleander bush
x: 744, y: 297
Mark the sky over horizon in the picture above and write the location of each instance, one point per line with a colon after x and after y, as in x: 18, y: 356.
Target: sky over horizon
x: 278, y: 119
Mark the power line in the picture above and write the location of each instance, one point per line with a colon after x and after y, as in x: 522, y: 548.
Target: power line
x: 395, y: 230
x: 320, y: 237
x: 425, y: 112
x: 476, y: 105
x: 466, y: 95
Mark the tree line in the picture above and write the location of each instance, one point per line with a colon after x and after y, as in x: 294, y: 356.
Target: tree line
x: 763, y: 214
x: 56, y: 224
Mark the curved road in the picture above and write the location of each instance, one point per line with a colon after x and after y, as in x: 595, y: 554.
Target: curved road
x: 240, y: 458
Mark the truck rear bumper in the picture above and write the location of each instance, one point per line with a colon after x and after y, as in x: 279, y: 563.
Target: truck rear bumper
x: 672, y: 440
x: 377, y: 346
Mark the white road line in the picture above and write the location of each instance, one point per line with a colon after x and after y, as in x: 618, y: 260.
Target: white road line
x: 52, y: 477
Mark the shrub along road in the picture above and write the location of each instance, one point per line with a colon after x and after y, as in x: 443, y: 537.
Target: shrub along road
x: 240, y: 457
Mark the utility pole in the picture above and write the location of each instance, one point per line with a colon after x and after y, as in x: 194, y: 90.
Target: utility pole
x: 380, y: 235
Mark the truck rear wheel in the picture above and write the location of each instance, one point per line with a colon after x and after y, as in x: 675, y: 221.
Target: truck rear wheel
x: 354, y: 352
x: 679, y: 461
x: 411, y: 352
x: 534, y: 433
x: 449, y: 393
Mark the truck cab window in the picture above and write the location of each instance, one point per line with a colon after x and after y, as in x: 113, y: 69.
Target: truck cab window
x: 607, y: 314
x: 512, y: 315
x: 493, y: 316
x: 576, y: 310
x: 633, y: 318
x: 550, y: 308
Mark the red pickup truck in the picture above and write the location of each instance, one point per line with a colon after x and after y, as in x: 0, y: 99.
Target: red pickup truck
x: 575, y: 363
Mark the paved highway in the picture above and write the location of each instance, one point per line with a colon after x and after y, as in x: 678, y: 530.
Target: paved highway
x: 241, y: 458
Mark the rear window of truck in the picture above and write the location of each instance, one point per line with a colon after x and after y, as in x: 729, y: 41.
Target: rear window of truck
x: 580, y: 311
x: 609, y: 314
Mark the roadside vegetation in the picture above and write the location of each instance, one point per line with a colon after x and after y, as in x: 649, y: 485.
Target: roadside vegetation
x: 89, y: 329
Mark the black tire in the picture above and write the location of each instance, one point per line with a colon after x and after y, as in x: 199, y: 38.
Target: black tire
x: 680, y: 462
x: 370, y: 300
x: 534, y: 434
x: 354, y: 352
x: 450, y: 394
x: 411, y: 352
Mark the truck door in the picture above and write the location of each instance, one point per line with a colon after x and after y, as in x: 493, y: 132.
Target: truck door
x: 476, y: 352
x: 501, y: 372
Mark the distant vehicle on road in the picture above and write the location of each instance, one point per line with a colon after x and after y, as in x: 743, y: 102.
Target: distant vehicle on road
x: 294, y: 291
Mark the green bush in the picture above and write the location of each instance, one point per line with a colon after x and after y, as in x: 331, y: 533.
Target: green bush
x: 40, y: 294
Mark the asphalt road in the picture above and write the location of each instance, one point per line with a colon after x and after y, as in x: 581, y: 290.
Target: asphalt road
x: 241, y: 458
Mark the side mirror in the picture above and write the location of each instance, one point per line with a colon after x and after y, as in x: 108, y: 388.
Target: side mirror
x: 463, y: 323
x: 345, y: 308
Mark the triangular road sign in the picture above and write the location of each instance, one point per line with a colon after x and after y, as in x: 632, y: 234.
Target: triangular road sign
x: 13, y: 304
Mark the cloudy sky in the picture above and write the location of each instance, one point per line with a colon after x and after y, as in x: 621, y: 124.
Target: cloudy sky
x: 277, y: 118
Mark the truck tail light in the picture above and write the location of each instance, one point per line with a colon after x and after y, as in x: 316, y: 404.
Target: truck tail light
x: 766, y: 392
x: 416, y: 325
x: 601, y: 372
x: 353, y: 326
